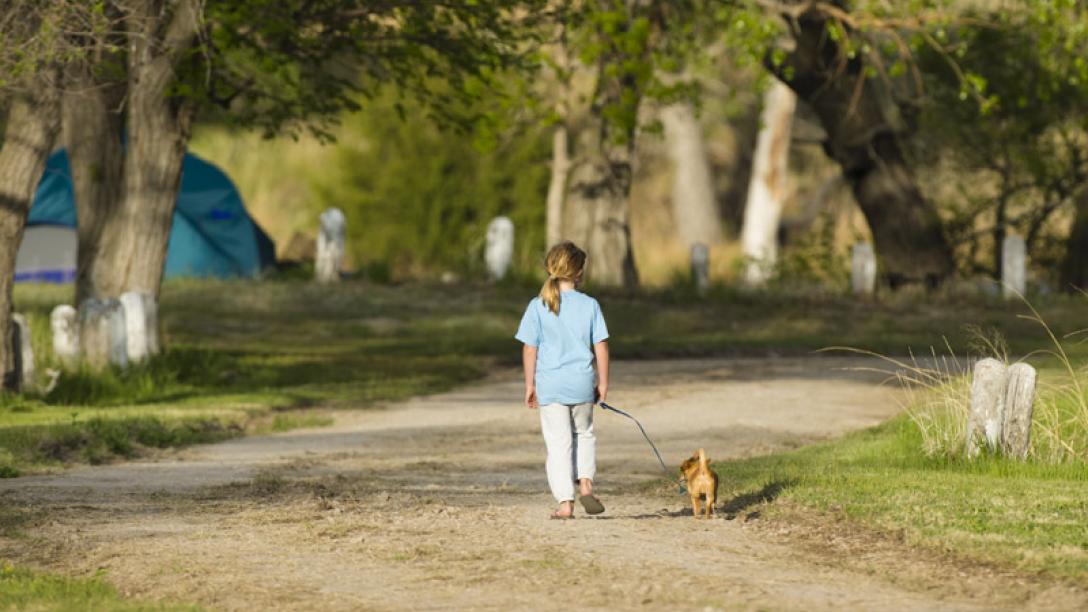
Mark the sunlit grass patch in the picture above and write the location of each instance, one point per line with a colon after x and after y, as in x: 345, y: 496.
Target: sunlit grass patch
x: 1028, y: 515
x: 22, y: 589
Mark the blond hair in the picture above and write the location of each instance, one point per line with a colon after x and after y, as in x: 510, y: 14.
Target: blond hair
x: 564, y: 262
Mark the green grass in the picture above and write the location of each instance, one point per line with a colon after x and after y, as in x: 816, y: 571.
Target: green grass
x: 1029, y: 516
x: 21, y: 589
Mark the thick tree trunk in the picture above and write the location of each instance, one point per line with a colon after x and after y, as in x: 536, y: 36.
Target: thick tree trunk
x: 599, y: 186
x: 557, y: 187
x: 597, y: 196
x: 92, y: 134
x: 767, y: 185
x: 131, y: 249
x: 1074, y: 272
x: 863, y: 139
x: 32, y: 125
x: 694, y: 206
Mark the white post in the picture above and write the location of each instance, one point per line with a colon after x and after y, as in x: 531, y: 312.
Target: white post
x: 986, y: 420
x: 1013, y: 266
x: 330, y: 245
x: 863, y: 269
x: 102, y: 336
x: 700, y: 266
x: 141, y: 325
x: 1019, y: 398
x: 64, y: 321
x: 500, y: 247
x: 23, y: 351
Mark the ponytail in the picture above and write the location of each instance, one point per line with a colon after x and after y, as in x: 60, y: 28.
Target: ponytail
x: 549, y: 294
x: 563, y: 262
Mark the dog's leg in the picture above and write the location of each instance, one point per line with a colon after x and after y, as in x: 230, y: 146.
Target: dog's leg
x: 711, y: 499
x: 695, y: 505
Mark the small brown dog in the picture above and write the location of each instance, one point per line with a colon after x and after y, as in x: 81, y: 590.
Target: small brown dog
x: 702, y: 482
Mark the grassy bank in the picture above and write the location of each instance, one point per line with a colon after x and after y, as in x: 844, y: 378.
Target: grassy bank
x: 248, y: 356
x: 1029, y: 516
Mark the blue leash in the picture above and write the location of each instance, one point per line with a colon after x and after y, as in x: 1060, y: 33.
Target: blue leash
x: 668, y: 474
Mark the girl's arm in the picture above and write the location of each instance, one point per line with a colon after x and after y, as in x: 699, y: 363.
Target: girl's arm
x: 528, y: 362
x: 600, y: 350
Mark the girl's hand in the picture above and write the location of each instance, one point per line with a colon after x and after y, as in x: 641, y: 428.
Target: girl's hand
x: 530, y: 398
x: 602, y: 393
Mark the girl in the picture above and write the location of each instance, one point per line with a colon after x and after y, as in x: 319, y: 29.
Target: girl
x: 564, y: 332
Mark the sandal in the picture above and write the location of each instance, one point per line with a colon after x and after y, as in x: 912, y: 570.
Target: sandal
x: 591, y: 504
x: 555, y: 516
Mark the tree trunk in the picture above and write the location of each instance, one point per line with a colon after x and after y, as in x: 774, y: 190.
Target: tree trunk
x: 1074, y: 272
x: 92, y: 134
x: 131, y: 248
x: 32, y: 125
x: 999, y: 238
x: 598, y: 194
x: 767, y: 185
x: 863, y: 132
x: 557, y: 187
x: 694, y: 206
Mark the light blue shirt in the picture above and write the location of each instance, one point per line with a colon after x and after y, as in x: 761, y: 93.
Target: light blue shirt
x: 564, y: 359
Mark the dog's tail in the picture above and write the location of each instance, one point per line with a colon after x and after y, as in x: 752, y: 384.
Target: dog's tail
x: 703, y: 462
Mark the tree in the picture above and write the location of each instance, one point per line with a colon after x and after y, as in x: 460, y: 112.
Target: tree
x: 615, y: 41
x: 32, y: 125
x: 30, y: 84
x: 865, y: 131
x: 625, y: 53
x: 767, y: 185
x: 694, y: 206
x: 1020, y: 149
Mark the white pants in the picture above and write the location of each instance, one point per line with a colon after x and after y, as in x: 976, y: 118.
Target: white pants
x: 572, y: 447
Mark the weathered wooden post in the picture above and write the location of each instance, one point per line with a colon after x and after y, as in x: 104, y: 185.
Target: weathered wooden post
x: 64, y: 322
x: 500, y: 247
x: 1019, y: 400
x: 1013, y: 266
x: 700, y: 266
x: 863, y: 269
x: 141, y: 325
x: 23, y: 351
x: 330, y: 245
x: 986, y: 420
x: 102, y: 336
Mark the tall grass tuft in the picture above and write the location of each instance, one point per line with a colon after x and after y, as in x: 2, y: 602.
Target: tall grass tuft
x: 938, y: 396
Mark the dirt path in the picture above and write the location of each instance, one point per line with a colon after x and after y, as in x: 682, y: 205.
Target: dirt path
x: 440, y: 502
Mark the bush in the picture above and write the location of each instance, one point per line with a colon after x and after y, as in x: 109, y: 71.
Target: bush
x: 420, y: 198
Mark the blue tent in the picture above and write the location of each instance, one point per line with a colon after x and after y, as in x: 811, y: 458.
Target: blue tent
x: 212, y: 234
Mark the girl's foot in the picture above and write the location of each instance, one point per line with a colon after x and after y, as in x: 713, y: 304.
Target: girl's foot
x: 585, y: 487
x: 565, y: 511
x: 590, y: 503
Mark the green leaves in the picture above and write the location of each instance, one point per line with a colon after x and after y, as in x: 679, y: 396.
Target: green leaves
x: 285, y: 65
